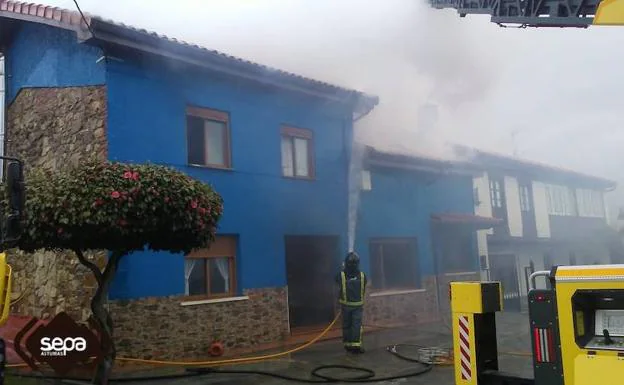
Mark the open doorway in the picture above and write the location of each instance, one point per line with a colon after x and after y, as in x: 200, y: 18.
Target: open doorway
x: 311, y: 266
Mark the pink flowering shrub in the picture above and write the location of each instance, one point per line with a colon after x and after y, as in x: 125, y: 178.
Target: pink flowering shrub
x: 119, y: 207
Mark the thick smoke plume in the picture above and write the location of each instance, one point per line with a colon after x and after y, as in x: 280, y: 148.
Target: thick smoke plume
x: 415, y: 58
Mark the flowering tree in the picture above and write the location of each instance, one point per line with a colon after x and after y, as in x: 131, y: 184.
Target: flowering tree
x: 121, y: 208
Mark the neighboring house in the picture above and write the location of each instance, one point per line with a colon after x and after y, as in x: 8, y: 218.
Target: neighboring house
x: 416, y: 232
x: 551, y: 217
x: 275, y: 145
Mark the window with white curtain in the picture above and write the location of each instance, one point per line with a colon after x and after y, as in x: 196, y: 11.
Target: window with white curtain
x: 561, y: 200
x: 211, y: 272
x: 590, y: 203
x: 297, y: 153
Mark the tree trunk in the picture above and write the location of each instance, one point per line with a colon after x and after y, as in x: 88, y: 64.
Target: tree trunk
x: 101, y: 315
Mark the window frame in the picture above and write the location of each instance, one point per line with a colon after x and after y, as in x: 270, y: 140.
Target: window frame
x: 590, y: 203
x: 207, y: 255
x: 496, y: 186
x: 415, y: 265
x: 206, y: 113
x: 561, y: 200
x: 525, y: 200
x: 291, y: 132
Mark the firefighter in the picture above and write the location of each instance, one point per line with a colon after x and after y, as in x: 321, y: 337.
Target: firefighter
x: 352, y: 283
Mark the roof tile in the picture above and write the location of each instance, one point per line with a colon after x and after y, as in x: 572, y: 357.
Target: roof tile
x: 74, y: 20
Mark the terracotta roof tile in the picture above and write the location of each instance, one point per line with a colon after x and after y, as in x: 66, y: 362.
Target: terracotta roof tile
x: 73, y: 20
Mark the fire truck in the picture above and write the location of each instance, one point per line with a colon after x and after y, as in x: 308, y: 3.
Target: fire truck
x: 541, y: 13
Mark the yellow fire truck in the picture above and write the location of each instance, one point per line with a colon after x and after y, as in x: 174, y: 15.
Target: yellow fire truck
x: 576, y: 328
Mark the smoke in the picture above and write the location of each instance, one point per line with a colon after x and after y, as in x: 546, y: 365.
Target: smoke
x: 415, y: 58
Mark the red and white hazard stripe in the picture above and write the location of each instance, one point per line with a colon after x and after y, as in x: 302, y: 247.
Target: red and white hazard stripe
x: 464, y: 348
x: 544, y: 344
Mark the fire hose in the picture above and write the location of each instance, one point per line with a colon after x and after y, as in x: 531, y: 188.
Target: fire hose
x: 203, y: 368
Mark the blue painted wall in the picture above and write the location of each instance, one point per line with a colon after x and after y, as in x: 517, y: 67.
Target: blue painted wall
x: 400, y: 204
x: 146, y: 122
x: 44, y: 56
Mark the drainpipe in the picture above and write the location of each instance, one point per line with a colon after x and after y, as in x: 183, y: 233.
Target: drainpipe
x: 3, y: 115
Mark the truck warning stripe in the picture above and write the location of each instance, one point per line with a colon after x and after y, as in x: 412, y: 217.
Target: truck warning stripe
x: 464, y: 348
x: 544, y: 344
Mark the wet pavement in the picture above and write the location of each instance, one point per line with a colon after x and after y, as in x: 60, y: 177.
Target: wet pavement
x: 513, y: 345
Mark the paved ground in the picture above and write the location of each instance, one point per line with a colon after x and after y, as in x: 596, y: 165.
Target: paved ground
x: 513, y: 338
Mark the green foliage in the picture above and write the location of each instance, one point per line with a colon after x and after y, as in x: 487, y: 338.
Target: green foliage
x: 118, y: 207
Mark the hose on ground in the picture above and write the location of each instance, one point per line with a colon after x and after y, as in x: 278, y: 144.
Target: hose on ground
x: 317, y: 374
x: 367, y: 376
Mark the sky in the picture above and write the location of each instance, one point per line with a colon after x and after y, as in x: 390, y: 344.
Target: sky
x: 549, y: 95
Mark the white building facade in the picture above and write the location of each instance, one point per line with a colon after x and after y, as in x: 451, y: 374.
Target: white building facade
x: 549, y: 217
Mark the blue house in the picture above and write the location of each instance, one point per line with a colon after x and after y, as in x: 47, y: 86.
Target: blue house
x: 275, y: 145
x: 416, y: 232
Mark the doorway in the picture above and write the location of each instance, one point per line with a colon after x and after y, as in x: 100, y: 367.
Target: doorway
x: 311, y: 267
x: 503, y: 268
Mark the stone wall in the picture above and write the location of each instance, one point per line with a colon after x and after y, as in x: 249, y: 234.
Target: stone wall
x: 54, y: 127
x: 407, y: 308
x: 163, y: 328
x: 47, y: 283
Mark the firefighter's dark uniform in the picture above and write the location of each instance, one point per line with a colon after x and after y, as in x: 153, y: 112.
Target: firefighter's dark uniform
x: 352, y: 284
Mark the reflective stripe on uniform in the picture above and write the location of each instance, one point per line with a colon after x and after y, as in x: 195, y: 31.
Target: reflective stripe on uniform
x: 343, y: 299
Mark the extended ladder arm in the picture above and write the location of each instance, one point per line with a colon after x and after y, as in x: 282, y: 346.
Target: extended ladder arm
x: 541, y: 13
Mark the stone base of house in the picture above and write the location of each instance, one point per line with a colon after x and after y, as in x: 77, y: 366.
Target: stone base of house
x: 400, y: 308
x: 167, y: 328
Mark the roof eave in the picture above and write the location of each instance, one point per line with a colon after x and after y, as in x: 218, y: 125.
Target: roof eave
x: 171, y: 49
x: 383, y: 159
x: 488, y: 162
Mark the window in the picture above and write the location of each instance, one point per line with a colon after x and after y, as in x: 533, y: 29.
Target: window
x: 211, y: 272
x: 590, y: 203
x: 393, y: 264
x: 525, y: 202
x: 297, y: 153
x: 495, y: 193
x: 560, y: 200
x: 208, y: 138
